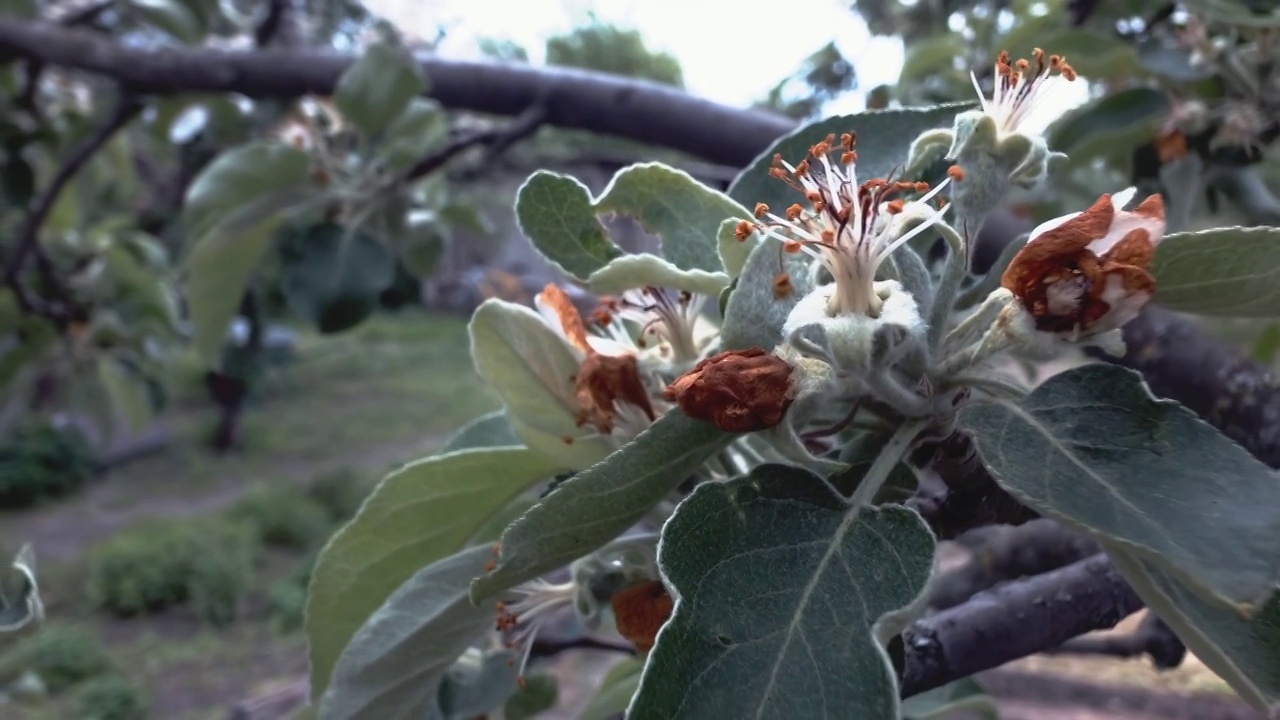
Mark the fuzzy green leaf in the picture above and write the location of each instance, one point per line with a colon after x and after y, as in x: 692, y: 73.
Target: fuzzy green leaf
x: 417, y: 515
x: 1243, y: 651
x: 1092, y: 448
x: 561, y: 218
x: 394, y: 665
x: 555, y: 212
x: 600, y: 503
x: 378, y: 88
x: 334, y: 275
x: 754, y: 314
x: 531, y: 368
x: 1110, y: 122
x: 615, y: 691
x: 490, y: 430
x: 232, y: 210
x: 681, y: 211
x: 18, y: 612
x: 1230, y: 271
x: 785, y: 599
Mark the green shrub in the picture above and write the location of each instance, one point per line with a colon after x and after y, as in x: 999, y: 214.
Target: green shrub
x: 61, y: 655
x: 288, y: 596
x: 340, y: 492
x: 38, y: 462
x: 284, y: 517
x: 206, y: 563
x: 111, y: 697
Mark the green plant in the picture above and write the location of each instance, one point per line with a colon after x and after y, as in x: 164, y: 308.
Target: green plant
x: 340, y: 492
x: 205, y: 563
x: 288, y: 596
x: 111, y: 697
x: 61, y: 655
x: 284, y: 516
x: 41, y: 461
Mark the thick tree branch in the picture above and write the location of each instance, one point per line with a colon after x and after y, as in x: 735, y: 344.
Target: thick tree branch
x: 1152, y: 637
x: 643, y: 111
x: 1003, y: 552
x: 28, y: 242
x: 1013, y: 621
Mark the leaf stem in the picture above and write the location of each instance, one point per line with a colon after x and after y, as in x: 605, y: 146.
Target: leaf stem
x: 890, y: 455
x: 952, y: 276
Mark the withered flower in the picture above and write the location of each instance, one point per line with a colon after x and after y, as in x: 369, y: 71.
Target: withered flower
x: 640, y: 611
x: 1086, y: 273
x: 738, y: 391
x: 605, y: 380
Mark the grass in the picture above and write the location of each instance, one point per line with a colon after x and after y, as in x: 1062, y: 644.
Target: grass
x: 393, y: 389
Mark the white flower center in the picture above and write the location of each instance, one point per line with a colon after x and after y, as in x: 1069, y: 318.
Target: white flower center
x: 851, y: 229
x: 1028, y: 98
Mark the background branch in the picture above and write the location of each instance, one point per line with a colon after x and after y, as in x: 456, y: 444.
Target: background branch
x: 643, y: 111
x: 28, y: 241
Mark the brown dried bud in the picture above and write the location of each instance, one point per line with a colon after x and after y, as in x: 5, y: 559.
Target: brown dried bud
x: 640, y: 612
x: 738, y: 391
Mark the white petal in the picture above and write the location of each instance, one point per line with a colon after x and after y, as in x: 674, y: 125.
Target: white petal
x: 1048, y: 225
x: 1122, y: 199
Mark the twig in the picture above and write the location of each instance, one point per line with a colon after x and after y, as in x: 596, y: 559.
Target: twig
x: 1003, y: 553
x: 1026, y: 616
x: 546, y: 647
x: 28, y: 243
x: 1152, y: 637
x: 496, y: 139
x: 273, y: 23
x: 956, y: 492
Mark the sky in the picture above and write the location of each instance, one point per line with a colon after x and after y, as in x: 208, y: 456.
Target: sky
x: 730, y: 52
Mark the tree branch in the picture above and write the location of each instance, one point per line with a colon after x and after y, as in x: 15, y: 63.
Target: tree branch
x: 607, y: 104
x: 1152, y: 637
x: 28, y: 243
x: 496, y: 140
x: 1002, y: 553
x: 956, y: 492
x: 1027, y: 616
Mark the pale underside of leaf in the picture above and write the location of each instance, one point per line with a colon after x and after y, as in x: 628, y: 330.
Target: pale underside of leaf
x: 416, y: 516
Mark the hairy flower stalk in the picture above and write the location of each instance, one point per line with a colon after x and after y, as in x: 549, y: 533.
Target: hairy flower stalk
x: 850, y: 229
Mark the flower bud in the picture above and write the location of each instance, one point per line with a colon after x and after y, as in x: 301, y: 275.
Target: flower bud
x: 640, y: 611
x: 738, y: 391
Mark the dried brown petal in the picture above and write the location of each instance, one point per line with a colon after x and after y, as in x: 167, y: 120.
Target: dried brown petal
x: 1062, y: 283
x: 603, y: 381
x: 640, y: 612
x: 738, y: 391
x: 570, y: 319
